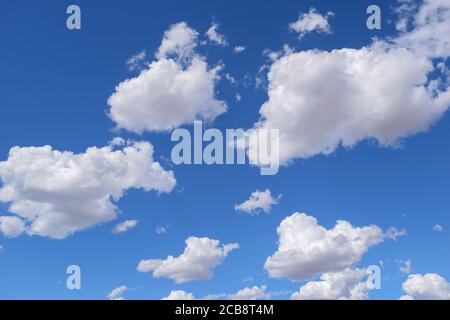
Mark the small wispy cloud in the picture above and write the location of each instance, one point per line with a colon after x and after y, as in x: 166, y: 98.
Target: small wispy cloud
x: 136, y: 60
x: 394, y: 233
x: 406, y: 267
x: 161, y: 230
x: 239, y: 49
x: 125, y: 226
x: 117, y: 293
x: 214, y: 36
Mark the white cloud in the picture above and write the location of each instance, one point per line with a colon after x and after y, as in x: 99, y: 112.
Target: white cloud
x: 172, y: 91
x: 239, y: 49
x: 215, y: 296
x: 117, y: 293
x: 320, y: 100
x: 438, y: 228
x: 404, y: 10
x: 125, y: 226
x: 248, y: 293
x: 200, y: 257
x: 430, y: 286
x: 307, y: 249
x: 393, y: 233
x: 161, y: 230
x: 179, y: 41
x: 311, y: 21
x: 428, y: 35
x: 259, y: 200
x: 230, y: 78
x: 253, y: 293
x: 407, y: 267
x: 11, y: 227
x: 214, y: 36
x: 166, y: 96
x: 349, y: 284
x: 179, y: 295
x: 58, y: 193
x: 136, y: 60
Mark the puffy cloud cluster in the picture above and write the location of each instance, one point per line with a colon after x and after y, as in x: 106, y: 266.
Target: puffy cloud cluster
x: 320, y: 100
x: 200, y: 257
x: 56, y: 193
x: 430, y: 286
x: 307, y: 249
x: 253, y: 293
x: 348, y: 284
x: 258, y: 201
x: 176, y: 89
x: 425, y: 32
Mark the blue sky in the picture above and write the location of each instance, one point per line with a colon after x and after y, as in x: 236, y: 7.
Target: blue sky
x: 55, y: 89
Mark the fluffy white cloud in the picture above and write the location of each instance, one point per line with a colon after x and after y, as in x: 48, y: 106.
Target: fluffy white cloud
x: 125, y: 226
x: 172, y: 91
x: 259, y: 200
x: 426, y: 287
x: 307, y: 249
x: 311, y: 21
x: 165, y: 96
x: 179, y: 41
x: 117, y: 293
x: 58, y: 192
x: 214, y: 36
x: 254, y: 293
x: 11, y: 227
x: 344, y: 285
x: 320, y: 100
x: 179, y: 295
x: 200, y: 257
x: 438, y: 228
